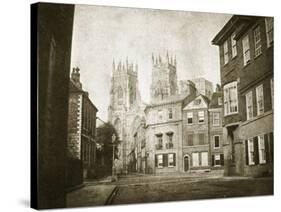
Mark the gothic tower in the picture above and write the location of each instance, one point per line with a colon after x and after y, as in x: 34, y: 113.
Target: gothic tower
x: 124, y: 94
x: 164, y: 77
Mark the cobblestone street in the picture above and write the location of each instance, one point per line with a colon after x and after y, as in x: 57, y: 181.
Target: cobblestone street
x: 152, y: 188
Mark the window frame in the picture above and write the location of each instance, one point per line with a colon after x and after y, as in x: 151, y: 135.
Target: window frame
x: 227, y: 100
x: 171, y: 154
x: 259, y: 112
x: 158, y: 159
x: 248, y: 101
x: 207, y: 159
x: 193, y: 164
x: 188, y: 117
x: 217, y: 147
x: 269, y: 30
x: 261, y: 149
x: 257, y: 41
x: 170, y: 113
x: 218, y: 119
x: 200, y: 116
x: 233, y: 45
x: 251, y: 151
x: 246, y: 50
x: 215, y: 160
x: 225, y: 52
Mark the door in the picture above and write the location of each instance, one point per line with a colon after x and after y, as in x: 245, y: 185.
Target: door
x: 186, y: 163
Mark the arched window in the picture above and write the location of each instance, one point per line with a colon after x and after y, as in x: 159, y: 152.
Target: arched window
x: 120, y: 95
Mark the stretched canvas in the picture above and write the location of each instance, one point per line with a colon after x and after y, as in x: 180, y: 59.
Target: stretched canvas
x: 144, y: 105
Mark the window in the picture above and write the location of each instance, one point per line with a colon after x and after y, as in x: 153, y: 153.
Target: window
x: 225, y: 52
x: 251, y: 152
x: 190, y: 118
x: 216, y: 119
x: 160, y: 115
x: 190, y: 140
x: 257, y: 40
x: 160, y: 161
x: 269, y: 31
x: 201, y: 138
x: 219, y: 101
x: 204, y: 158
x: 249, y: 105
x: 272, y: 93
x: 217, y: 161
x: 120, y: 95
x: 170, y: 111
x: 201, y: 116
x: 195, y: 159
x: 159, y: 144
x: 197, y: 102
x: 233, y: 45
x: 230, y: 99
x: 170, y: 160
x: 262, y: 156
x: 260, y: 101
x: 246, y: 49
x: 216, y: 141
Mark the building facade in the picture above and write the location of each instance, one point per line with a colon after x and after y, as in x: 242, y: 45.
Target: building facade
x: 196, y: 145
x: 216, y: 130
x: 81, y: 126
x: 246, y: 61
x: 164, y: 134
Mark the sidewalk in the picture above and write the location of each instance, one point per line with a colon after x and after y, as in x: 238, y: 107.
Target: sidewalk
x: 90, y: 195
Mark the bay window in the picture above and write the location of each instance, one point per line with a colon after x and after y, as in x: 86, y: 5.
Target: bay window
x: 230, y: 99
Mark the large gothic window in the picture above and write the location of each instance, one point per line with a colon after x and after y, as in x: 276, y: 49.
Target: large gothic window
x: 132, y: 94
x: 120, y: 95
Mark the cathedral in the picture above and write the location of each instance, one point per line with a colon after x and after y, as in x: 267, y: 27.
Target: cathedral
x: 155, y: 137
x: 126, y: 110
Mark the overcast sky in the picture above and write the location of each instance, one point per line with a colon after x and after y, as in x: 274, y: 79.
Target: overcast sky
x: 102, y: 34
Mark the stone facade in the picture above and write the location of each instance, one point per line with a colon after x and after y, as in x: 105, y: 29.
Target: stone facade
x: 81, y: 125
x: 203, y: 86
x: 164, y: 78
x: 248, y: 130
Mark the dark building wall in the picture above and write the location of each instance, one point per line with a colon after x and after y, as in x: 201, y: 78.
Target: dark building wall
x: 259, y: 70
x: 51, y: 65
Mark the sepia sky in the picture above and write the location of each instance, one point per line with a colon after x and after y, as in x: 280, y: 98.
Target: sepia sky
x: 102, y: 34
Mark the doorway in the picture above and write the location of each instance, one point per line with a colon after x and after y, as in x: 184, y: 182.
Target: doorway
x: 186, y: 163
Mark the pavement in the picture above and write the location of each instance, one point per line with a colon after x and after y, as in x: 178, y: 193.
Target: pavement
x: 91, y: 195
x: 140, y: 188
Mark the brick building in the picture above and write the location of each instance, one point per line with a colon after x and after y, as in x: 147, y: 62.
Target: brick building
x: 164, y: 133
x: 81, y: 127
x: 196, y: 149
x: 246, y: 61
x: 216, y: 130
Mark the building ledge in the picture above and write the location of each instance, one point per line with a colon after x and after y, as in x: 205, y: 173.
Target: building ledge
x: 257, y: 118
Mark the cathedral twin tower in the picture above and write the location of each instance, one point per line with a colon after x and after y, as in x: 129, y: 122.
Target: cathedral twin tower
x: 125, y: 81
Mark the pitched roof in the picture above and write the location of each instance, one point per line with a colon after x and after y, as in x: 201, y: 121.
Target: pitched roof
x: 215, y: 100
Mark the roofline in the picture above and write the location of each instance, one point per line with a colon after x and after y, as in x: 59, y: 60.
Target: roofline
x: 229, y: 27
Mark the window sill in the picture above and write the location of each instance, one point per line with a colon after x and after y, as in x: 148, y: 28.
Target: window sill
x: 246, y: 65
x: 231, y: 114
x: 257, y: 56
x: 216, y: 147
